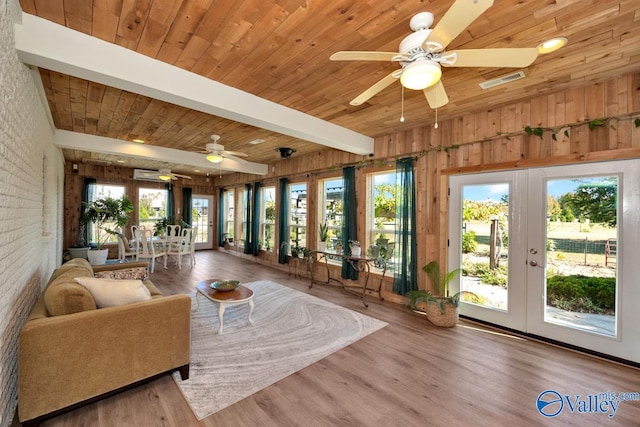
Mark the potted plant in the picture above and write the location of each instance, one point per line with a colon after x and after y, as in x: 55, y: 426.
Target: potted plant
x: 354, y: 245
x: 79, y: 249
x: 160, y: 226
x: 324, y: 236
x: 295, y: 252
x: 103, y: 211
x: 441, y: 310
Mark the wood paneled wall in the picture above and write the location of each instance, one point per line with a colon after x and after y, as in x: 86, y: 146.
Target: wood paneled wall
x: 487, y: 140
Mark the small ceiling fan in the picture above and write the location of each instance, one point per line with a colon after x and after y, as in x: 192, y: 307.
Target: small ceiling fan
x: 160, y: 174
x: 216, y: 153
x: 422, y: 53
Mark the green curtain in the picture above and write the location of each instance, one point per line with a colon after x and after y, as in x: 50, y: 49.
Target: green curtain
x: 405, y: 273
x: 349, y: 223
x: 255, y: 225
x: 221, y: 218
x: 169, y: 214
x: 187, y: 199
x: 283, y: 221
x: 88, y: 194
x: 247, y: 219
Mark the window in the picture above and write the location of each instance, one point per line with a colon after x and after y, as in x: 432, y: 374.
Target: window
x: 268, y: 218
x: 229, y: 213
x: 152, y: 206
x: 330, y: 208
x: 100, y: 191
x: 381, y: 213
x: 298, y: 215
x: 381, y: 207
x: 245, y: 203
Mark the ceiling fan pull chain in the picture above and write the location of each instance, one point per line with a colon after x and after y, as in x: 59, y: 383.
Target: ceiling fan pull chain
x: 402, y: 105
x: 436, y: 124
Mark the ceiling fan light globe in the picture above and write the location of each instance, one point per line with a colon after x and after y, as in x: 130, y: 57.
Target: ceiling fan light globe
x: 214, y: 158
x: 552, y: 45
x: 421, y: 75
x: 164, y: 177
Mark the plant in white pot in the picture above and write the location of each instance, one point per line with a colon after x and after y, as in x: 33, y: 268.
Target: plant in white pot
x: 355, y: 248
x: 79, y: 249
x: 442, y: 309
x: 324, y: 236
x: 106, y: 212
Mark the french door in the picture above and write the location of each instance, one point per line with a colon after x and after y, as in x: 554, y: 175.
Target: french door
x: 202, y: 218
x: 552, y: 252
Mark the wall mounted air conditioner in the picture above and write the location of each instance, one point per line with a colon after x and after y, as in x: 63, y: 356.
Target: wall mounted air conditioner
x: 146, y: 175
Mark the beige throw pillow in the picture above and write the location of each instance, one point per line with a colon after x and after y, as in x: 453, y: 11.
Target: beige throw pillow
x: 111, y: 293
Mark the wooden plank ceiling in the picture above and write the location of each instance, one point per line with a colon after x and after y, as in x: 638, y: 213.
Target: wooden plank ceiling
x: 280, y: 51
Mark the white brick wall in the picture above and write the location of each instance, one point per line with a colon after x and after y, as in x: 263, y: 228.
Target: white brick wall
x: 30, y: 204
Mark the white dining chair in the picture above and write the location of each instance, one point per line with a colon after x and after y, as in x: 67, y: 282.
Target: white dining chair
x: 182, y: 247
x: 145, y: 248
x: 125, y: 248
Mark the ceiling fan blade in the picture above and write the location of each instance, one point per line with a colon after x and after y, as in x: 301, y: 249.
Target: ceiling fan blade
x: 511, y: 58
x: 436, y: 95
x: 234, y: 153
x: 367, y: 94
x: 364, y: 56
x: 177, y: 175
x: 455, y: 20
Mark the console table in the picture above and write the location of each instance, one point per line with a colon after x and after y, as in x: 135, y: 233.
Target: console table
x: 360, y: 263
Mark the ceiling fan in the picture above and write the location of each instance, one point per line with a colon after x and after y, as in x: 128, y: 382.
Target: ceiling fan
x: 216, y: 153
x: 422, y: 53
x: 160, y: 174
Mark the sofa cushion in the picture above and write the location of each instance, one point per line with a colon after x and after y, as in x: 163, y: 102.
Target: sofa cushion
x: 133, y: 273
x: 111, y: 293
x: 65, y: 296
x: 74, y: 263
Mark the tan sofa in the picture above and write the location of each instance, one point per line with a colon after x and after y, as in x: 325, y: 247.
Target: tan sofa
x: 72, y: 353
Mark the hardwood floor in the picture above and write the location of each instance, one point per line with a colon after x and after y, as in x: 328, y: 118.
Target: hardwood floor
x: 410, y: 373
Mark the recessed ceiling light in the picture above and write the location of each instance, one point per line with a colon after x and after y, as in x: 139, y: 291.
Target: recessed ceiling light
x: 121, y: 161
x: 196, y: 170
x: 552, y: 45
x: 140, y: 141
x: 256, y: 141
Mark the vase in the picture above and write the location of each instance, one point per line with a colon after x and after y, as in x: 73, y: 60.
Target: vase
x: 322, y: 246
x: 79, y: 252
x: 98, y: 257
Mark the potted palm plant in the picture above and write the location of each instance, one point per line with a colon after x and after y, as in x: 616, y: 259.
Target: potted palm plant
x: 442, y: 309
x: 105, y: 213
x: 324, y: 235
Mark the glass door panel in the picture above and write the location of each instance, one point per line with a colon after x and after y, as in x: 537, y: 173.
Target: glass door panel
x: 202, y: 218
x: 581, y: 249
x: 481, y: 244
x: 485, y: 251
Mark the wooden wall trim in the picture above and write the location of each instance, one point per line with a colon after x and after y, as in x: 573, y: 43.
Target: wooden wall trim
x: 569, y: 159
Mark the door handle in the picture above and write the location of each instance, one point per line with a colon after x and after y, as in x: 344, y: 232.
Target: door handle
x: 534, y: 263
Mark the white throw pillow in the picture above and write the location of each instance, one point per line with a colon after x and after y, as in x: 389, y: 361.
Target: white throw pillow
x: 110, y: 292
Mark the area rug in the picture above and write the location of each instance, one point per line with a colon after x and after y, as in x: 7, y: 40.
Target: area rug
x: 291, y: 331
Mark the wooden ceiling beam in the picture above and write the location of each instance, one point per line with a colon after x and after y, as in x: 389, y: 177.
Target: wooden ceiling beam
x: 99, y: 144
